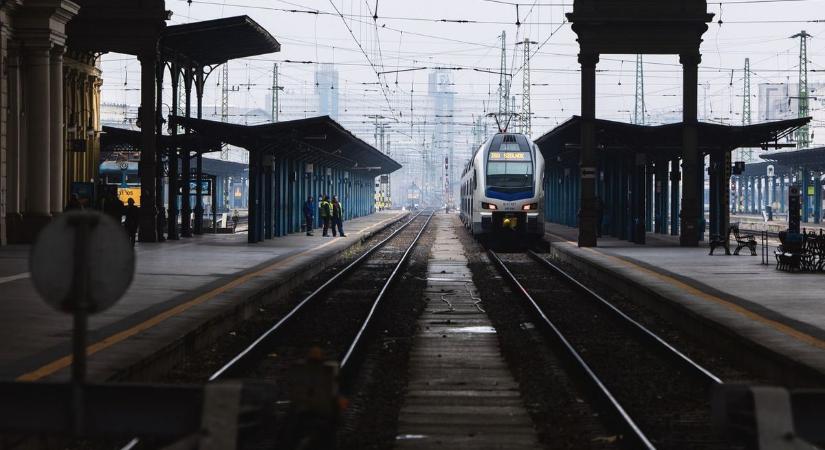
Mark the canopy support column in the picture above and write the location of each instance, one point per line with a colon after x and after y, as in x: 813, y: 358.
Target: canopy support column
x: 148, y: 231
x: 675, y: 178
x: 161, y: 216
x: 186, y: 170
x: 174, y: 176
x: 691, y: 204
x: 587, y: 164
x: 199, y: 82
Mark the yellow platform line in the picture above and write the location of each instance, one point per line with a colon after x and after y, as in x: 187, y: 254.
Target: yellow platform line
x: 733, y: 307
x: 66, y: 361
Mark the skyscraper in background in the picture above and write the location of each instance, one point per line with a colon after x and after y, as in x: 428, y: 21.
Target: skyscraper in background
x: 442, y: 145
x: 326, y: 88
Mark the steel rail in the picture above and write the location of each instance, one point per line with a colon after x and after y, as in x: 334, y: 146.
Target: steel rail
x: 250, y: 350
x: 636, y: 438
x: 238, y: 359
x: 351, y: 352
x: 708, y: 377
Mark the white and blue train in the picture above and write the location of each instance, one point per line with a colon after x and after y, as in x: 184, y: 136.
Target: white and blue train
x: 502, y: 190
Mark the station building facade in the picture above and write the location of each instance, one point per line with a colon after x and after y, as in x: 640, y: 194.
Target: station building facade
x: 50, y: 115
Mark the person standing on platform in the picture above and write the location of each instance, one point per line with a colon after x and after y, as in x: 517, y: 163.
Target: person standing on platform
x: 132, y: 220
x: 337, y: 217
x: 309, y: 211
x: 113, y: 207
x: 325, y: 211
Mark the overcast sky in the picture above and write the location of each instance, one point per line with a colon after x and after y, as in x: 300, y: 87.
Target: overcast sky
x: 408, y: 34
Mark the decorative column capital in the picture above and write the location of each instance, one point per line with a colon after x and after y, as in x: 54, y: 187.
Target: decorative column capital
x: 43, y: 22
x: 588, y: 60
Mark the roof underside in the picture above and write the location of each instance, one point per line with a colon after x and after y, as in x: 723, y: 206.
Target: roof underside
x: 114, y: 138
x: 811, y: 158
x: 213, y: 42
x: 316, y: 139
x: 663, y: 141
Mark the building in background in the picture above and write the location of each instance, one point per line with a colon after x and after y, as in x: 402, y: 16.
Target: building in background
x: 327, y: 88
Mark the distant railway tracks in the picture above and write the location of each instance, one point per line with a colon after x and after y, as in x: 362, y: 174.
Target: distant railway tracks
x: 657, y: 396
x: 335, y: 317
x: 331, y: 312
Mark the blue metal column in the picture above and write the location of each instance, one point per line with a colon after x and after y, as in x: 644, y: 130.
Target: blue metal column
x: 817, y: 183
x: 268, y: 200
x: 805, y: 178
x: 649, y: 200
x: 675, y: 195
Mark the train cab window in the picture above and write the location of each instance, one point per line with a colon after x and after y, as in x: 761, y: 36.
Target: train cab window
x: 510, y: 164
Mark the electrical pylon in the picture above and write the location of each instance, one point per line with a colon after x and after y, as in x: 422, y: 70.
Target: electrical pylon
x: 746, y: 94
x: 275, y: 105
x: 639, y: 109
x: 803, y: 136
x: 503, y: 86
x: 526, y: 110
x: 225, y: 105
x: 746, y: 154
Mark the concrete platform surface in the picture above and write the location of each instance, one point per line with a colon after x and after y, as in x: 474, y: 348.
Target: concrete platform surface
x: 780, y: 313
x: 461, y: 393
x: 178, y: 287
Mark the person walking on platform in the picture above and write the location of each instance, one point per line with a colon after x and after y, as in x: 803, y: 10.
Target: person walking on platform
x: 132, y: 220
x: 325, y: 211
x: 337, y: 217
x: 309, y: 212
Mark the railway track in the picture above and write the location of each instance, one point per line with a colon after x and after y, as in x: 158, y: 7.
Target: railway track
x: 657, y: 396
x: 334, y: 318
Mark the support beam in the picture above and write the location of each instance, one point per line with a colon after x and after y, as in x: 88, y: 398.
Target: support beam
x: 587, y: 164
x: 174, y: 176
x: 675, y: 178
x: 36, y: 94
x: 185, y: 175
x: 161, y: 211
x: 56, y: 139
x: 692, y: 159
x: 146, y: 168
x: 199, y: 84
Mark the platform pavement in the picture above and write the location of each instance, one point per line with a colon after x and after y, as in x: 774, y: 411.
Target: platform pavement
x: 779, y: 315
x: 178, y: 287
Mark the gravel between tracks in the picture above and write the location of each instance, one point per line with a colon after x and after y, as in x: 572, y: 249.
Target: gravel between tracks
x: 563, y: 418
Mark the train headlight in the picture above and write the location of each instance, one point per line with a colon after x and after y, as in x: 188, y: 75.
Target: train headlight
x: 485, y: 205
x: 530, y: 206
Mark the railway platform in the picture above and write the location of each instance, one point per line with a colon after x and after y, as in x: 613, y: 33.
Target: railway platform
x: 778, y: 318
x: 183, y: 294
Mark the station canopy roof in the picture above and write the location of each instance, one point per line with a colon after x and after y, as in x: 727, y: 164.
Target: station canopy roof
x: 315, y: 139
x: 119, y: 139
x: 810, y: 158
x: 213, y: 42
x: 564, y: 141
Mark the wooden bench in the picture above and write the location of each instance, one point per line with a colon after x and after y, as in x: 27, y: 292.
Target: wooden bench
x: 743, y: 240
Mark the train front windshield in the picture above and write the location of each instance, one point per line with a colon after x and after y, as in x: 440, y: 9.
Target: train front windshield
x: 510, y: 168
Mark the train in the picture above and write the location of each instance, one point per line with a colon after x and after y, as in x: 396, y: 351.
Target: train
x: 502, y: 188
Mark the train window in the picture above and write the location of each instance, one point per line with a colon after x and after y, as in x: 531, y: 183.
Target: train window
x: 509, y: 168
